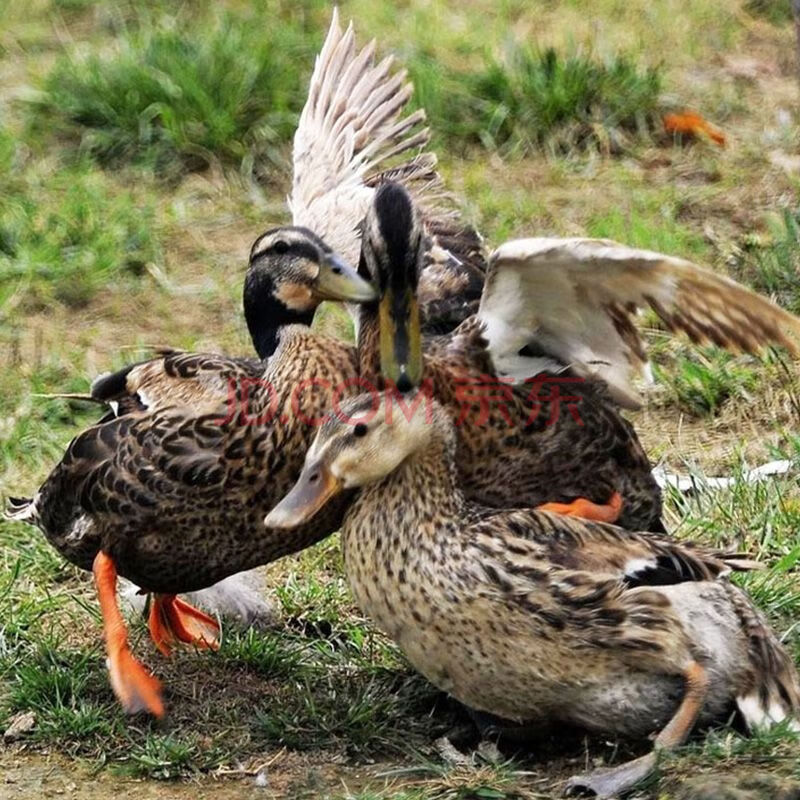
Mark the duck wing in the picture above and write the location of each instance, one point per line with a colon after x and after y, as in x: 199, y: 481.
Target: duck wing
x: 203, y: 382
x: 551, y: 304
x: 600, y: 550
x: 137, y: 468
x: 353, y: 133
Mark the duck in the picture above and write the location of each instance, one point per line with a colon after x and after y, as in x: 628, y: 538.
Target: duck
x: 546, y: 314
x: 170, y: 488
x: 557, y: 439
x: 533, y: 616
x: 563, y: 304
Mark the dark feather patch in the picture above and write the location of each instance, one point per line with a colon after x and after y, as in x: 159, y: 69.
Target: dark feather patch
x: 113, y: 384
x: 395, y: 213
x: 664, y: 572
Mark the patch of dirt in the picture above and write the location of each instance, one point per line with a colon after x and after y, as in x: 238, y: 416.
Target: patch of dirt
x: 741, y: 428
x: 29, y: 776
x: 740, y: 786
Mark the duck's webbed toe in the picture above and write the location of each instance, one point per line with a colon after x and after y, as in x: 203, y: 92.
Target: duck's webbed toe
x: 174, y: 620
x: 586, y: 509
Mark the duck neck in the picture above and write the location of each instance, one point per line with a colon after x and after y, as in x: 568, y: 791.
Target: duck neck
x: 425, y: 486
x: 369, y: 357
x: 266, y: 317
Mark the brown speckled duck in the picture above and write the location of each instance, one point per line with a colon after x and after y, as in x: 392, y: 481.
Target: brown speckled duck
x: 559, y: 436
x: 530, y: 615
x: 170, y: 489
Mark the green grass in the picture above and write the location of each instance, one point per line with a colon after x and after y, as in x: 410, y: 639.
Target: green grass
x: 223, y: 89
x: 701, y: 383
x: 779, y: 12
x: 652, y: 223
x: 432, y: 781
x: 99, y: 252
x: 379, y: 711
x: 56, y: 683
x: 65, y: 236
x: 773, y: 266
x: 540, y: 99
x: 184, y: 95
x: 165, y: 756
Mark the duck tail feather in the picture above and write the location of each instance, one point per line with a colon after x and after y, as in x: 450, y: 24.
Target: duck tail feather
x: 773, y: 695
x: 21, y: 509
x: 111, y: 385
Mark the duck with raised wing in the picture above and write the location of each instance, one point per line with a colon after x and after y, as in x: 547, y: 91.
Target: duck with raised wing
x: 559, y: 436
x: 533, y: 616
x: 170, y: 489
x: 353, y: 134
x: 555, y: 305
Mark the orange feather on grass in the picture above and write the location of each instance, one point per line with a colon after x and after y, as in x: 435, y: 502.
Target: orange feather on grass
x: 689, y: 123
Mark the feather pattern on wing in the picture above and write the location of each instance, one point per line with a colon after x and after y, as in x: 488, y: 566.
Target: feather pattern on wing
x: 635, y: 558
x: 353, y: 126
x: 571, y: 304
x: 175, y: 484
x: 201, y: 381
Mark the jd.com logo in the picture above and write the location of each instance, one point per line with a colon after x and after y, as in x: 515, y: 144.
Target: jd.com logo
x: 483, y: 400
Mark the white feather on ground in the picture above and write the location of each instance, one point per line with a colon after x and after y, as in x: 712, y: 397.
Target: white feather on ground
x: 689, y: 483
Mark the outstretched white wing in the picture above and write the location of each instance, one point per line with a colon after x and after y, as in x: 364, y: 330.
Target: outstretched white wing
x: 353, y: 122
x: 572, y: 302
x: 354, y: 132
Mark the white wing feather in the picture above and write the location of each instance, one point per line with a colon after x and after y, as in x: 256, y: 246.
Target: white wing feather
x: 572, y: 303
x: 352, y: 123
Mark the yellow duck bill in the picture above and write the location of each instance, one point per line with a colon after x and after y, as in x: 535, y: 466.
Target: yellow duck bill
x: 337, y: 280
x: 400, y: 339
x: 315, y: 486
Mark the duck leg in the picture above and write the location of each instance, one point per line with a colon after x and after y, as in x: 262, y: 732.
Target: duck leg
x: 136, y: 689
x: 586, y: 509
x: 173, y: 620
x: 618, y: 780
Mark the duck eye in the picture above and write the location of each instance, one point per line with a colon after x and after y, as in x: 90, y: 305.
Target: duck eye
x: 360, y: 430
x: 280, y: 247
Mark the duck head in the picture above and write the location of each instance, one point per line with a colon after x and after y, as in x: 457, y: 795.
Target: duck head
x: 363, y: 442
x: 392, y: 248
x: 291, y: 271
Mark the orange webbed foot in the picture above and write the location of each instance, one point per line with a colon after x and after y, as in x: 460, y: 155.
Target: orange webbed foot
x: 160, y: 631
x: 135, y: 688
x: 174, y: 620
x: 586, y: 509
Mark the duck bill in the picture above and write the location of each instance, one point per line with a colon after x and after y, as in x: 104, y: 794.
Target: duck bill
x: 337, y: 280
x: 315, y: 486
x: 400, y: 339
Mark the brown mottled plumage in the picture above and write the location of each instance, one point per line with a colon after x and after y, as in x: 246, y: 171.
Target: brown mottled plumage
x: 177, y: 494
x: 533, y: 616
x: 170, y: 489
x: 516, y: 446
x: 175, y: 483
